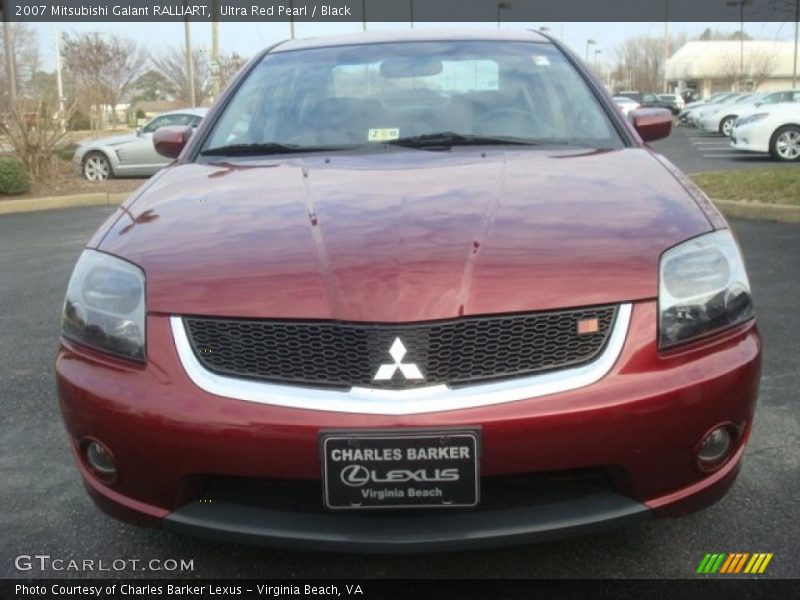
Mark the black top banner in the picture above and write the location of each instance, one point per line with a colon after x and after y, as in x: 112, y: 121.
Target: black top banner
x: 534, y: 11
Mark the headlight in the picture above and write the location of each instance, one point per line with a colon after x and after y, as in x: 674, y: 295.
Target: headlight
x: 104, y: 307
x: 703, y: 288
x: 751, y: 119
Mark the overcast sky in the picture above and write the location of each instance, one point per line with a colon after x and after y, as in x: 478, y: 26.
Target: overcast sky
x: 248, y: 38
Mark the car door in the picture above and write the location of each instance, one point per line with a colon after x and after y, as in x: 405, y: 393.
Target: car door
x: 139, y: 157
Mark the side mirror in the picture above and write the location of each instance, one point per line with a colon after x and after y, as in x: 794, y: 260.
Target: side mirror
x: 138, y: 132
x: 170, y: 141
x: 651, y: 123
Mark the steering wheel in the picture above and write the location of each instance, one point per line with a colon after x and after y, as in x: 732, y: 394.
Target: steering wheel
x: 496, y: 112
x: 499, y: 111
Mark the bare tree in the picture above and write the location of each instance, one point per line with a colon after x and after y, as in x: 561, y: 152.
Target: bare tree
x: 640, y: 63
x: 104, y: 70
x: 759, y: 65
x: 127, y: 63
x: 34, y: 131
x: 730, y: 71
x: 26, y: 58
x: 85, y: 57
x: 229, y: 65
x: 171, y: 63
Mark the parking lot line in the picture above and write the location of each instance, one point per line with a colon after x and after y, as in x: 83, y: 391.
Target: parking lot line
x: 737, y: 155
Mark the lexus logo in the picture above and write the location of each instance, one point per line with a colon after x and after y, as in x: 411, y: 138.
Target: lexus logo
x: 398, y: 352
x: 359, y: 475
x: 355, y: 475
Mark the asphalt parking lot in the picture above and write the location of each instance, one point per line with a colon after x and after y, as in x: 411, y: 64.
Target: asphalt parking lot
x: 694, y: 151
x: 46, y: 511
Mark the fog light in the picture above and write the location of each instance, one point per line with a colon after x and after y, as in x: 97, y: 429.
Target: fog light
x: 101, y: 461
x: 714, y: 448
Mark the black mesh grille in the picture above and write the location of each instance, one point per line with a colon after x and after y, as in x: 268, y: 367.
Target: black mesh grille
x: 456, y: 352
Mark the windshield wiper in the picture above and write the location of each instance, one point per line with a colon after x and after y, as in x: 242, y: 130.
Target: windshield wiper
x: 263, y: 149
x: 449, y: 138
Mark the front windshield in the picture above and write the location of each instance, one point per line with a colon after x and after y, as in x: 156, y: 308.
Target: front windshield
x: 370, y: 95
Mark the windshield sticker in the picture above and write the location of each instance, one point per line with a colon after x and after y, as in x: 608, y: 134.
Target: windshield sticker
x: 541, y: 61
x: 383, y: 135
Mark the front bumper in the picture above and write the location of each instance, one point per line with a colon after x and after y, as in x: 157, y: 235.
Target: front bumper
x: 639, y: 426
x: 747, y: 139
x: 709, y: 124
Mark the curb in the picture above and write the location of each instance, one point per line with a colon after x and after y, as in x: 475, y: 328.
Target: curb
x: 758, y: 210
x: 8, y: 207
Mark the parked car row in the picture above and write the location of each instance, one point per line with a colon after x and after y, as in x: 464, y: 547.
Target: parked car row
x: 130, y: 154
x: 672, y: 102
x: 755, y: 122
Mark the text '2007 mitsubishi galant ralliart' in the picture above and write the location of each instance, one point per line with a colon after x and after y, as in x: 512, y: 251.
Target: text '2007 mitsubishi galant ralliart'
x: 410, y: 292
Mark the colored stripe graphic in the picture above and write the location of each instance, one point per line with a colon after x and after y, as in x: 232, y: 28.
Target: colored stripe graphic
x: 764, y: 564
x: 728, y: 563
x: 734, y: 563
x: 741, y: 562
x: 703, y: 563
x: 718, y: 564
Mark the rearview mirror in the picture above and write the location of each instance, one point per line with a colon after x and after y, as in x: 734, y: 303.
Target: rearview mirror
x: 651, y: 123
x: 170, y: 141
x: 398, y: 68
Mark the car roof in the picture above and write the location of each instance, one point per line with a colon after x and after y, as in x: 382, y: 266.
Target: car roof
x: 417, y: 35
x: 200, y: 111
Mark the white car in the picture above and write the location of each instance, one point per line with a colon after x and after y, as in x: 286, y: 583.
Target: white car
x: 687, y: 114
x: 722, y: 119
x: 774, y: 129
x: 676, y: 99
x: 701, y: 114
x: 783, y: 97
x: 626, y: 104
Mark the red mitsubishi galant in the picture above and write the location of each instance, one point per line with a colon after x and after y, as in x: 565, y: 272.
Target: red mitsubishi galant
x: 410, y: 291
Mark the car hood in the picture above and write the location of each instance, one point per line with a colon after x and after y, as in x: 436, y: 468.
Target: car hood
x: 405, y: 235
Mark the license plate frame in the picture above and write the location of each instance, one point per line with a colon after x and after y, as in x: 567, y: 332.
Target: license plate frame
x: 392, y: 467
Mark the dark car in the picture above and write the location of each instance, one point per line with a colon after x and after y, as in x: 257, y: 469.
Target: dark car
x: 410, y: 291
x: 651, y: 101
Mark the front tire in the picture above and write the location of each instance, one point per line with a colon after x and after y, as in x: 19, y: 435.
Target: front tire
x: 97, y: 167
x: 726, y: 126
x: 785, y: 143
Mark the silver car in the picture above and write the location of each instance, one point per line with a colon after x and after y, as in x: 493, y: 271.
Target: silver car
x: 132, y: 154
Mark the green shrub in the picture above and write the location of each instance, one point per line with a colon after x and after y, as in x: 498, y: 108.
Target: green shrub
x: 79, y: 122
x: 13, y: 177
x: 67, y: 152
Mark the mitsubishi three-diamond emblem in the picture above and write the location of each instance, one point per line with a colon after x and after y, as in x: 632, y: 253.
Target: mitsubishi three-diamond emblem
x: 398, y: 352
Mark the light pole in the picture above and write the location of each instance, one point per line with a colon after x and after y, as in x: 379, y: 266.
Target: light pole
x: 411, y: 12
x: 741, y: 4
x: 8, y: 39
x: 666, y: 43
x: 596, y: 52
x: 364, y: 15
x: 187, y: 34
x: 502, y: 6
x: 796, y: 26
x: 291, y: 19
x: 589, y: 43
x: 215, y: 67
x: 59, y: 83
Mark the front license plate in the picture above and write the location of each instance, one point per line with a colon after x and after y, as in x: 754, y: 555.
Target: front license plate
x: 400, y: 469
